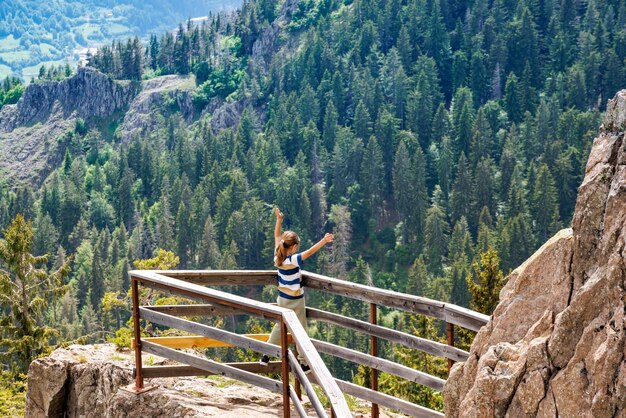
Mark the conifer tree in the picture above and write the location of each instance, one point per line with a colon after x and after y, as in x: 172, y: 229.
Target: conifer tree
x: 436, y: 231
x: 26, y: 291
x: 545, y: 204
x: 485, y: 282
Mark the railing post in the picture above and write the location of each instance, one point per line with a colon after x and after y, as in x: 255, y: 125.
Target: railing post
x: 450, y: 329
x: 284, y: 346
x: 298, y: 386
x: 374, y: 352
x: 137, y: 328
x: 139, y: 386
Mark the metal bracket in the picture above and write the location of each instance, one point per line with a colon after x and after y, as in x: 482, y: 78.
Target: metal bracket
x: 132, y: 388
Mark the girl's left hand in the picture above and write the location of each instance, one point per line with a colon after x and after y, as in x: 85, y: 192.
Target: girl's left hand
x: 279, y: 214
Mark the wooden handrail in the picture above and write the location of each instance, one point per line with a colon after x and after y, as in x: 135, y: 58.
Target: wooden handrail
x: 448, y: 312
x: 381, y: 364
x: 286, y: 317
x: 415, y: 304
x: 427, y: 346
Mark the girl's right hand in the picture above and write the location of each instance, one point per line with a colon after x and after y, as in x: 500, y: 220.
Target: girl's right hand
x: 328, y: 238
x: 279, y: 214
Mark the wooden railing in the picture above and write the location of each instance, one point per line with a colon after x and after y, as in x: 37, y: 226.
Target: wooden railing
x: 191, y: 284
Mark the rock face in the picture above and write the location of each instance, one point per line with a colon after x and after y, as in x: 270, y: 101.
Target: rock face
x: 158, y: 95
x: 36, y: 131
x: 89, y: 93
x: 85, y: 381
x: 555, y: 346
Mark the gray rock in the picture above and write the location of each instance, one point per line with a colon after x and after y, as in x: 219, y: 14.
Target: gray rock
x: 88, y: 93
x: 85, y: 381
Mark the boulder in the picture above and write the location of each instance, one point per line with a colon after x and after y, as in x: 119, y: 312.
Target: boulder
x: 85, y: 381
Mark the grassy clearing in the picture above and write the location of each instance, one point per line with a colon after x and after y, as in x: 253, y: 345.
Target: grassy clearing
x: 116, y: 28
x: 15, y: 56
x: 89, y: 30
x: 48, y: 49
x: 9, y: 44
x: 5, y: 71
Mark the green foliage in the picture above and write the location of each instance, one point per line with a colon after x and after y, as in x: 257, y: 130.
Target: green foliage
x: 219, y: 82
x: 485, y: 282
x: 122, y: 339
x: 11, y: 90
x: 25, y: 293
x: 422, y: 135
x: 12, y: 395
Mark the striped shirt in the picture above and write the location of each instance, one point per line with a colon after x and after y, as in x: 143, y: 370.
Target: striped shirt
x: 289, y: 285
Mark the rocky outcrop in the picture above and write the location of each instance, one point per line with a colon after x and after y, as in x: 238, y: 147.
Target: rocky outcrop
x: 88, y: 93
x: 85, y: 381
x: 35, y: 132
x: 268, y: 43
x: 555, y: 346
x: 159, y: 95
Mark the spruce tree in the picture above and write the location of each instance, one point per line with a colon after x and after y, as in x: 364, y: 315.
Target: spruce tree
x: 544, y: 203
x: 485, y: 282
x: 26, y: 291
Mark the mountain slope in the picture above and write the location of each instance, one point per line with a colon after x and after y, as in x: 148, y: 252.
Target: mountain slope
x: 34, y: 32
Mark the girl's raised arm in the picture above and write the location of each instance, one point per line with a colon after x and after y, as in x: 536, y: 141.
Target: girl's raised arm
x: 308, y: 253
x: 277, y: 231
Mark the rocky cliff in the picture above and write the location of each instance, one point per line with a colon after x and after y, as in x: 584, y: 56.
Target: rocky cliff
x: 555, y: 346
x: 88, y: 93
x: 85, y: 381
x: 34, y: 131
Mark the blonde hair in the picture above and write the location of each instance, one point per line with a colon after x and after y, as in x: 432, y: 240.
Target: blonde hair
x: 288, y: 240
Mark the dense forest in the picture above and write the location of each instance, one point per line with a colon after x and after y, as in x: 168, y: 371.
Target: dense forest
x: 438, y: 139
x: 34, y: 32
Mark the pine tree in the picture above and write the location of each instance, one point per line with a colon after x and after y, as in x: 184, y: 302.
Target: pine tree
x: 513, y: 99
x: 372, y: 177
x: 460, y: 197
x: 436, y: 237
x: 485, y: 282
x: 26, y: 291
x: 340, y: 216
x: 545, y: 204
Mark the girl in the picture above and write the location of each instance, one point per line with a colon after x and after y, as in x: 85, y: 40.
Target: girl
x: 290, y: 291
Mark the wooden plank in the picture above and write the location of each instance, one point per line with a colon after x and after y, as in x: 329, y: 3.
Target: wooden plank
x: 318, y: 368
x: 421, y: 344
x: 465, y: 318
x: 223, y: 277
x: 388, y: 401
x: 213, y: 366
x: 414, y: 304
x: 151, y: 279
x: 380, y: 364
x: 210, y: 332
x: 195, y: 341
x: 195, y: 310
x: 423, y: 306
x: 302, y: 378
x: 179, y: 370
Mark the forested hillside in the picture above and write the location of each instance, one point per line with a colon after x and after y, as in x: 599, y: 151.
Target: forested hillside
x: 422, y: 132
x: 51, y: 32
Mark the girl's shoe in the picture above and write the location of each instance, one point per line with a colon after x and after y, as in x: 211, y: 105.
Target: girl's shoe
x: 264, y: 360
x: 305, y: 368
